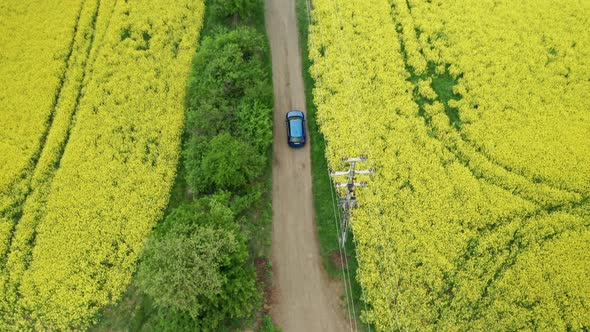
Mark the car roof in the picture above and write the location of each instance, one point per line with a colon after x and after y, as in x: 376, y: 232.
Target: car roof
x: 296, y: 126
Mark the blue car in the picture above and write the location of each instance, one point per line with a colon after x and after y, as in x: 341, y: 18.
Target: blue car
x: 295, y: 128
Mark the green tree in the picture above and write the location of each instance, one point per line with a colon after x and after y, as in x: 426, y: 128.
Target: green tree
x: 195, y: 266
x: 179, y: 268
x: 230, y: 92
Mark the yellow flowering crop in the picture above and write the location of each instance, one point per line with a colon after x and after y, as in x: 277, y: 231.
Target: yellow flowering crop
x: 476, y: 117
x: 81, y: 192
x: 35, y: 43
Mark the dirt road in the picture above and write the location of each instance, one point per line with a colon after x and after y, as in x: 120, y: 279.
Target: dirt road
x: 303, y: 297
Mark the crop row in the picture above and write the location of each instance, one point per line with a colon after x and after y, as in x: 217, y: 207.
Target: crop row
x: 36, y: 47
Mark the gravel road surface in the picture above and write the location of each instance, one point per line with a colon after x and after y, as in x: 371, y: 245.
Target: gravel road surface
x: 304, y: 299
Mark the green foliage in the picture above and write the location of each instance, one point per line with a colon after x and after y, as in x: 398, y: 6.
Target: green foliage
x: 179, y: 269
x: 228, y: 68
x: 207, y: 210
x: 230, y: 92
x: 195, y: 267
x: 231, y: 163
x: 255, y: 119
x: 245, y: 9
x: 249, y: 197
x: 222, y: 163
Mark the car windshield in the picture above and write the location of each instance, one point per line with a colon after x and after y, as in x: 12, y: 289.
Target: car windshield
x: 296, y: 124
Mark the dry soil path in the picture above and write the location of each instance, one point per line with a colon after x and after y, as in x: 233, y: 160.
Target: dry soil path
x: 304, y: 299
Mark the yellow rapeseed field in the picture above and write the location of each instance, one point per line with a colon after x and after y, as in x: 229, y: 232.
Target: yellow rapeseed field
x: 35, y: 47
x: 476, y: 116
x: 92, y: 111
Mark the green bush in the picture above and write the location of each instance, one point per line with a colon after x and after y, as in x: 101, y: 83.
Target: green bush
x: 222, y: 163
x: 245, y: 9
x: 255, y: 119
x: 229, y: 68
x: 229, y: 92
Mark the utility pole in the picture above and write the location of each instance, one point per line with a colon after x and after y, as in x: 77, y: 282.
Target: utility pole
x: 348, y: 202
